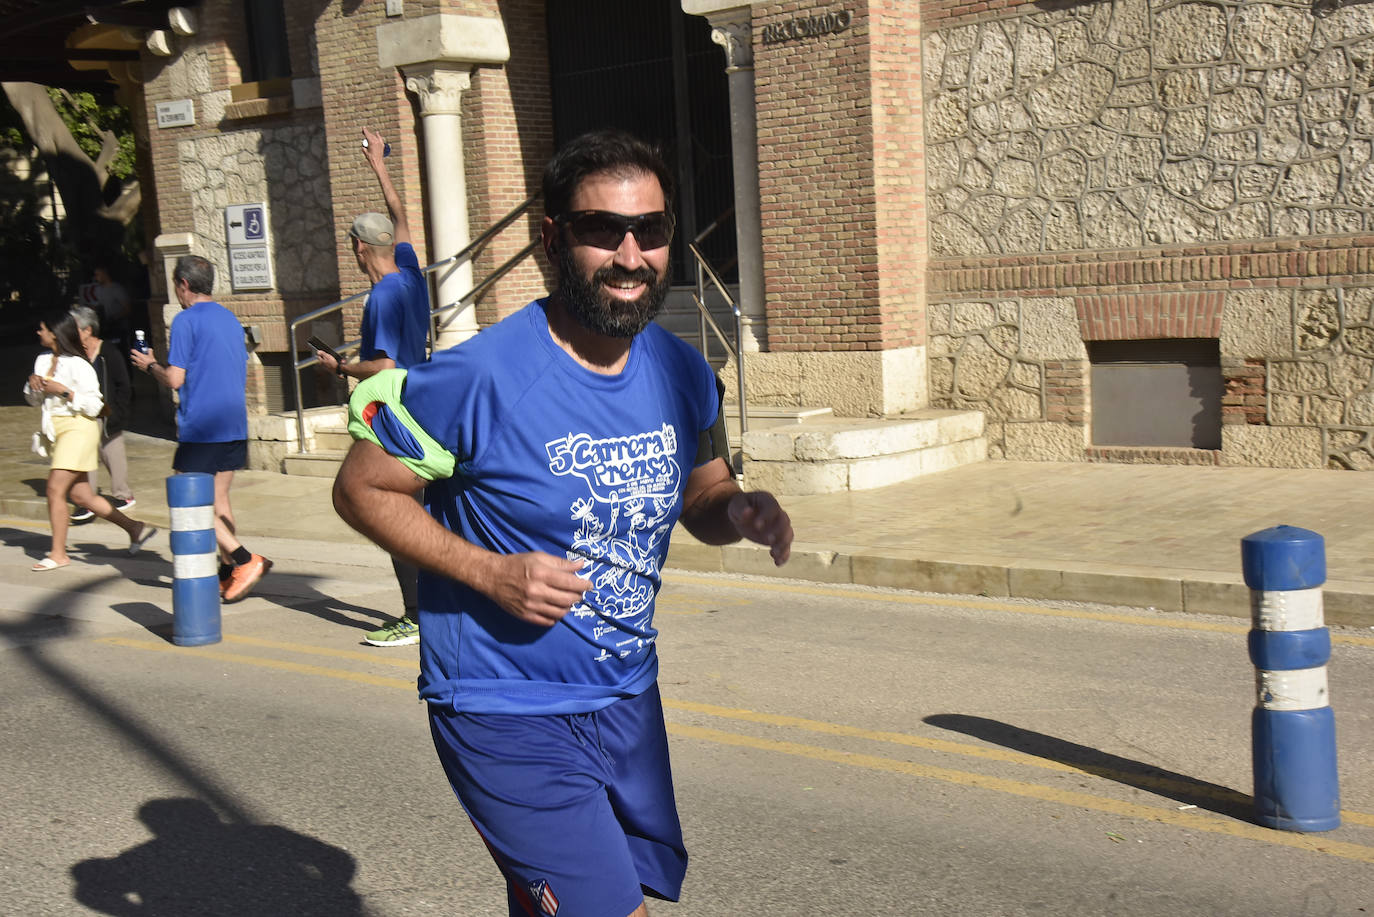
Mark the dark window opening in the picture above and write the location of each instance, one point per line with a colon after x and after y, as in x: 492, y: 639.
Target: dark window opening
x: 1156, y: 393
x: 662, y: 79
x: 269, y: 57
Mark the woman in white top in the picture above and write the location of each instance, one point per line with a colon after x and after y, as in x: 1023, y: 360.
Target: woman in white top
x: 65, y: 385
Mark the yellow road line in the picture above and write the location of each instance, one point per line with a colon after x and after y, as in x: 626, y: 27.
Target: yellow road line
x: 855, y: 732
x: 379, y: 681
x: 900, y: 598
x: 769, y: 719
x: 1164, y: 785
x: 380, y: 658
x: 1190, y: 820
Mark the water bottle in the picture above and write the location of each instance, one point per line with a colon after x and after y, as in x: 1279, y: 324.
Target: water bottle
x: 140, y: 344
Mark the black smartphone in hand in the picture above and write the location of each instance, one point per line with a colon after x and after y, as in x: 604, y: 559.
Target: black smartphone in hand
x: 321, y: 345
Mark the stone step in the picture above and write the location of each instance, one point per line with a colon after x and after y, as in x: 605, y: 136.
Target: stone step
x: 272, y: 437
x: 762, y: 415
x: 332, y: 439
x: 788, y: 449
x: 314, y: 464
x: 835, y: 454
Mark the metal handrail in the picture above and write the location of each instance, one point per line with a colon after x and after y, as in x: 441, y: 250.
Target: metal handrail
x: 705, y: 273
x: 466, y: 253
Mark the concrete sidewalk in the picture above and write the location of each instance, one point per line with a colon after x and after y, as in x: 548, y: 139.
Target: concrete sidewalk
x: 1166, y: 537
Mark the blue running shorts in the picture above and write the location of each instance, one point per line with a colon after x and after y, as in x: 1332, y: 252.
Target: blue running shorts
x: 210, y: 458
x: 577, y: 810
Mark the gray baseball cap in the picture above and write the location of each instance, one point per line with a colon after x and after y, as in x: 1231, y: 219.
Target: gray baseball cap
x: 373, y: 228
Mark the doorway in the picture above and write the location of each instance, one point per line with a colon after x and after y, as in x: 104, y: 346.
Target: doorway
x: 646, y: 67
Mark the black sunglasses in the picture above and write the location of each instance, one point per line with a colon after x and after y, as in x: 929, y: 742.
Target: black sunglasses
x: 605, y: 229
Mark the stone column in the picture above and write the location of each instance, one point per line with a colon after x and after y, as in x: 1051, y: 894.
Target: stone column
x: 440, y: 87
x: 437, y: 54
x: 730, y: 30
x: 170, y: 246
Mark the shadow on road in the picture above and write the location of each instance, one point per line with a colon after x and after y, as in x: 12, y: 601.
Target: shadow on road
x: 1187, y: 790
x: 291, y: 591
x: 158, y: 620
x: 210, y: 855
x: 198, y: 864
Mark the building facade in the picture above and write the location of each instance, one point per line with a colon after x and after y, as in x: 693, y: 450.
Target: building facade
x: 1119, y: 230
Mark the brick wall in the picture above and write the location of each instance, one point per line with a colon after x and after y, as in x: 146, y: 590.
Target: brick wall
x: 1150, y: 316
x: 1312, y: 261
x: 898, y: 171
x: 816, y: 184
x: 358, y: 93
x: 508, y: 131
x: 1066, y: 392
x: 1246, y: 398
x: 940, y: 14
x: 209, y: 62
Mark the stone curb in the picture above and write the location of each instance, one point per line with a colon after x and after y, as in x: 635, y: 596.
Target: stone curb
x: 1190, y: 592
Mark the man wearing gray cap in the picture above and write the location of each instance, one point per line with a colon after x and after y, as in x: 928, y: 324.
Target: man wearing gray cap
x: 395, y: 332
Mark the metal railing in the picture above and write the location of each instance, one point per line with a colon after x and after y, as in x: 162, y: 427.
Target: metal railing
x: 467, y: 253
x: 706, y: 278
x: 706, y: 275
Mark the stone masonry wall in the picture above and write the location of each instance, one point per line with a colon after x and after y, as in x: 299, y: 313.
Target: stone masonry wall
x: 242, y: 153
x: 1120, y: 158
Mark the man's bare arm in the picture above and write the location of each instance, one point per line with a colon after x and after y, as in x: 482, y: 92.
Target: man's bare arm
x: 359, y: 369
x: 173, y: 377
x: 374, y: 152
x: 375, y: 494
x: 716, y: 511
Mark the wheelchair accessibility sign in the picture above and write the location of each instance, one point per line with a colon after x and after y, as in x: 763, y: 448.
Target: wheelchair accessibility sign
x: 250, y: 253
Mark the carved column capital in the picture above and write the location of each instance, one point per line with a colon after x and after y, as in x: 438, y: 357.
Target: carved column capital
x: 440, y: 87
x: 734, y: 37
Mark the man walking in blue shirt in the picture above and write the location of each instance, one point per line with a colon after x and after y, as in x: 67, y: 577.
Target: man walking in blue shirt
x: 207, y: 365
x: 395, y: 332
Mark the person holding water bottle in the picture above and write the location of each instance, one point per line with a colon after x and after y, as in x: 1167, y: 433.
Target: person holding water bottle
x: 207, y: 363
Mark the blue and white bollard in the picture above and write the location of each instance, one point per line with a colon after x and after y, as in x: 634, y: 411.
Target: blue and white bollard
x: 195, y: 559
x: 1293, y: 729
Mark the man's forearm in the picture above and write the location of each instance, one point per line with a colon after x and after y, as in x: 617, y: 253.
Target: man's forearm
x: 159, y: 374
x: 366, y: 369
x: 375, y: 494
x: 395, y: 209
x: 708, y: 518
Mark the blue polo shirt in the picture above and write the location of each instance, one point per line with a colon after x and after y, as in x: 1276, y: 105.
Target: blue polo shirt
x: 207, y: 342
x: 396, y: 317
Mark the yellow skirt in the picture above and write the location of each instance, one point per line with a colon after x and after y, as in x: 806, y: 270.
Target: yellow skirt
x: 78, y: 443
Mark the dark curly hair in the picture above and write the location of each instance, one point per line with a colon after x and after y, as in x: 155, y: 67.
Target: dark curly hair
x: 611, y: 152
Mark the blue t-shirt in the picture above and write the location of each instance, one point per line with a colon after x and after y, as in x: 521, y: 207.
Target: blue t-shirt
x: 207, y: 342
x: 553, y: 457
x: 396, y: 317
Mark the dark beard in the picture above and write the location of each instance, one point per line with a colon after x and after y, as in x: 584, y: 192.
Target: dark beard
x: 603, y: 315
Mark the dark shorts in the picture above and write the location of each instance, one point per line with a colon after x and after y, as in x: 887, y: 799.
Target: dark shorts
x: 578, y: 811
x: 210, y: 458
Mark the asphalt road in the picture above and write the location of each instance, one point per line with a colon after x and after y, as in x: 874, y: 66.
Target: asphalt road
x: 837, y: 751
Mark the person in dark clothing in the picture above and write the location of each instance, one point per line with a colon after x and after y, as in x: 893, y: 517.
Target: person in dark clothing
x: 113, y: 373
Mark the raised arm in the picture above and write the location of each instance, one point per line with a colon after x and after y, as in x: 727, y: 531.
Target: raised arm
x: 374, y: 153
